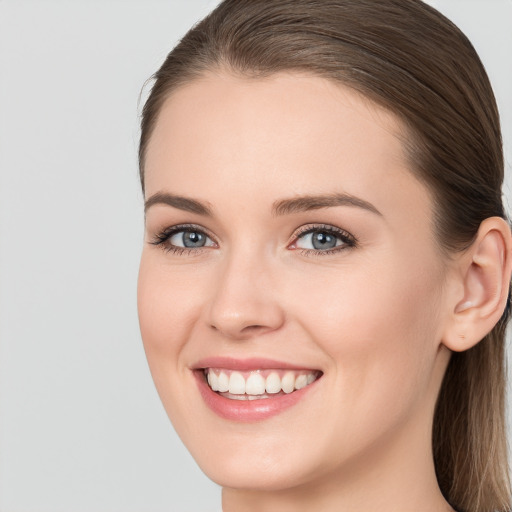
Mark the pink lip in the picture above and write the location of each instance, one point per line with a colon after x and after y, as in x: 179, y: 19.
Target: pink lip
x: 246, y: 410
x: 230, y: 363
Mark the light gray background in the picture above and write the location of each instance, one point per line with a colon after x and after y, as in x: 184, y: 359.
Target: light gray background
x: 81, y: 426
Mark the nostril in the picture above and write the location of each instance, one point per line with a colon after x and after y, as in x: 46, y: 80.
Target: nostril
x: 251, y: 328
x: 242, y: 332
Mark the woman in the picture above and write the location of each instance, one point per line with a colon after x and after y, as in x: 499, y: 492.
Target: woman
x: 325, y: 282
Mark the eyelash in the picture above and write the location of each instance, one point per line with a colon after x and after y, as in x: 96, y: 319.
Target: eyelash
x: 161, y: 239
x: 348, y: 240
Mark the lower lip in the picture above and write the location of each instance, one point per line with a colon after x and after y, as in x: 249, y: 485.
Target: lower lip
x: 247, y: 410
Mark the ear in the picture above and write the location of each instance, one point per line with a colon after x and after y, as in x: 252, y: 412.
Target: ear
x: 482, y: 286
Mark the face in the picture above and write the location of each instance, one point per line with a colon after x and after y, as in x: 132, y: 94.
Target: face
x: 289, y: 261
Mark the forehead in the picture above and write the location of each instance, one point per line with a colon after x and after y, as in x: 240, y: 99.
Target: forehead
x: 288, y: 134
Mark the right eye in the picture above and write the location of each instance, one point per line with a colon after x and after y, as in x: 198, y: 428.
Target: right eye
x: 183, y: 238
x: 190, y: 239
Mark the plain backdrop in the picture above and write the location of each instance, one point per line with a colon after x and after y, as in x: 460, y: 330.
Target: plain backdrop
x: 81, y: 426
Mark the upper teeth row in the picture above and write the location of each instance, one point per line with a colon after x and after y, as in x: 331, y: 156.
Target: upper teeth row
x: 256, y: 384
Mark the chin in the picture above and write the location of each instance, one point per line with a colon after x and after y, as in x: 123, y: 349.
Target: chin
x: 260, y: 457
x: 256, y: 473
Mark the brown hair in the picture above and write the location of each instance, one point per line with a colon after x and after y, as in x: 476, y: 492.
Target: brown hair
x: 407, y: 57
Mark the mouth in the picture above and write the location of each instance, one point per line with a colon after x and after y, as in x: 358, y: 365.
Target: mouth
x: 259, y: 384
x: 252, y: 390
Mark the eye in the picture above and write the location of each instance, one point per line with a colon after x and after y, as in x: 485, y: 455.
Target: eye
x: 190, y: 239
x: 323, y: 239
x: 181, y: 239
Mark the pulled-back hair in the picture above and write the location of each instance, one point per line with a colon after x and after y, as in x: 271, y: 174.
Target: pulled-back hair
x: 407, y: 57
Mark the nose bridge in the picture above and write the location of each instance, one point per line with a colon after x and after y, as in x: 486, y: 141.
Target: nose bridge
x: 244, y: 302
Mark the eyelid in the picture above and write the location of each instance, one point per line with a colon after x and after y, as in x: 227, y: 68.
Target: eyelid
x: 349, y: 240
x: 161, y: 238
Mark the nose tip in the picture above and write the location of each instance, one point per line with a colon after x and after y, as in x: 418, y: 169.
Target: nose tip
x: 248, y: 320
x: 238, y: 326
x: 244, y: 305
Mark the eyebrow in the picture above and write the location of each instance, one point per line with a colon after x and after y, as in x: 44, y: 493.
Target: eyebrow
x: 181, y: 203
x: 279, y: 208
x: 307, y: 203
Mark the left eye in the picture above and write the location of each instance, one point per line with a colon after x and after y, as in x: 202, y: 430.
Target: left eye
x: 190, y: 239
x: 320, y: 240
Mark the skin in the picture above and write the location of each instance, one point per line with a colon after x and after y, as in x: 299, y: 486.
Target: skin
x: 370, y: 317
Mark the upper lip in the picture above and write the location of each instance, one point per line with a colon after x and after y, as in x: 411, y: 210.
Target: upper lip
x: 254, y: 363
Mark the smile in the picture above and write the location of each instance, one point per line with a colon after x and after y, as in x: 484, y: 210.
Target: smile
x: 252, y: 389
x: 257, y: 384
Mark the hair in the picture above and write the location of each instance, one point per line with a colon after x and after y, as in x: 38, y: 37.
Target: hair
x: 410, y: 59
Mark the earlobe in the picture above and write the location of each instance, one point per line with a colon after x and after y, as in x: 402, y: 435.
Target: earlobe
x: 485, y: 270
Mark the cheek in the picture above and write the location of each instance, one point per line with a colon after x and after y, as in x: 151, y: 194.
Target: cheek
x: 380, y: 328
x: 166, y: 303
x: 365, y: 302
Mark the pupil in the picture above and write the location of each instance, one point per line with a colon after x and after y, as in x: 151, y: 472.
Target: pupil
x: 193, y: 239
x: 322, y: 240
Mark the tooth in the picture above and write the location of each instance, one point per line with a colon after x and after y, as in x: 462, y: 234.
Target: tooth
x: 255, y: 384
x: 213, y: 380
x: 237, y: 397
x: 236, y: 384
x: 301, y: 381
x: 273, y: 383
x: 288, y: 382
x: 223, y: 382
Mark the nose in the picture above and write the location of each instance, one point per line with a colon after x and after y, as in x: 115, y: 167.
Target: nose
x: 244, y: 303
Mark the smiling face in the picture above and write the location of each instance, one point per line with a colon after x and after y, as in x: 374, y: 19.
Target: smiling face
x: 288, y: 245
